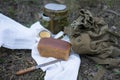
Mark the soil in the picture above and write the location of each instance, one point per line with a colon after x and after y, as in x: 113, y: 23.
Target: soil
x: 27, y: 12
x: 12, y: 61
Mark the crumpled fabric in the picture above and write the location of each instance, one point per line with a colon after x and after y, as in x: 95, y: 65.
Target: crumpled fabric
x: 91, y: 35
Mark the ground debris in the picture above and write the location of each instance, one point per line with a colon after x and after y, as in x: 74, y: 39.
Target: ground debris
x: 14, y: 60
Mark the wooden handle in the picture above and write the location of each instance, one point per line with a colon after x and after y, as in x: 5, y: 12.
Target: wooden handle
x: 25, y: 70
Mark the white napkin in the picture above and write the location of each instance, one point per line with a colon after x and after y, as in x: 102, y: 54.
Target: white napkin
x: 13, y: 35
x: 1, y: 41
x: 63, y: 70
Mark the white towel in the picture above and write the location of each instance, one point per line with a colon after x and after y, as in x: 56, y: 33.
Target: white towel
x: 13, y: 35
x: 63, y: 70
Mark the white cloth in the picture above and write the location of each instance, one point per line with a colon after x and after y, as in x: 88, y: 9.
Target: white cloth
x: 63, y: 70
x: 13, y: 35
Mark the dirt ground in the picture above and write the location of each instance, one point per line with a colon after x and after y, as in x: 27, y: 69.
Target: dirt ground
x: 27, y: 12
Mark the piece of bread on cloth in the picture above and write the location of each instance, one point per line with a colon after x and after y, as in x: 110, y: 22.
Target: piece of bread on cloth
x: 50, y: 47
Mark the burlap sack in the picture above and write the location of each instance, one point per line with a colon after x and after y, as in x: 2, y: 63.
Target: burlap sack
x: 91, y: 35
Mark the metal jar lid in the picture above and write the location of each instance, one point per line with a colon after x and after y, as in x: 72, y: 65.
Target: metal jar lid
x: 44, y: 34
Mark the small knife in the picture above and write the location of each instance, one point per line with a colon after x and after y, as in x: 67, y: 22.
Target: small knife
x: 36, y: 67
